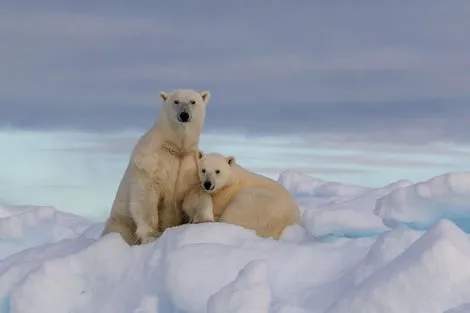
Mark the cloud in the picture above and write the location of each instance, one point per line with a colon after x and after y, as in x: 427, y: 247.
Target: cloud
x: 310, y: 170
x: 364, y: 71
x: 382, y: 162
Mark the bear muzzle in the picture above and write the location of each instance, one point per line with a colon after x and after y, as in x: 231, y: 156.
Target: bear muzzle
x: 184, y: 117
x: 208, y: 185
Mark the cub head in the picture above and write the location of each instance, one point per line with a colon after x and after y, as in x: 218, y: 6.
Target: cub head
x: 214, y: 170
x: 185, y: 106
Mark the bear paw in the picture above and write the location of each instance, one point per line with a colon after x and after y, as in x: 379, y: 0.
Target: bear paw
x: 147, y: 239
x: 146, y: 234
x: 202, y: 221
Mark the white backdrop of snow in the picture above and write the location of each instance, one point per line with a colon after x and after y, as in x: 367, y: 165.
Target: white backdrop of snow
x: 399, y: 248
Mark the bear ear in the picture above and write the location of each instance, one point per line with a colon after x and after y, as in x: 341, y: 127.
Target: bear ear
x: 200, y: 154
x: 205, y: 95
x: 163, y: 95
x: 231, y: 160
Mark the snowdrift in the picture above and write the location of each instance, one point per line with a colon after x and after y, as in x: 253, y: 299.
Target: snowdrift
x: 400, y: 248
x: 423, y: 204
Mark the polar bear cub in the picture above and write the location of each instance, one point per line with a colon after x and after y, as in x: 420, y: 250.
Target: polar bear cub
x: 161, y: 171
x: 230, y: 193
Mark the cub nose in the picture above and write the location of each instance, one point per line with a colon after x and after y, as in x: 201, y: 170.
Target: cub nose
x: 183, y: 117
x: 207, y: 185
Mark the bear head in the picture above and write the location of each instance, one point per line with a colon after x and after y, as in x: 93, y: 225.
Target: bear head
x: 214, y: 171
x: 185, y: 107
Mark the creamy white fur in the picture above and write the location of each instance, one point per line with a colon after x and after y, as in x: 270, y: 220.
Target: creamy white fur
x: 161, y: 170
x: 238, y: 196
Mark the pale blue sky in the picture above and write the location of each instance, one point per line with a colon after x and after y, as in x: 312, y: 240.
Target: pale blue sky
x: 361, y: 92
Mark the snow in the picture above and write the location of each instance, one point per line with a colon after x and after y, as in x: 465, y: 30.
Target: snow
x: 429, y: 276
x: 423, y: 204
x: 348, y: 213
x: 27, y: 226
x: 402, y: 248
x: 249, y: 292
x: 464, y: 308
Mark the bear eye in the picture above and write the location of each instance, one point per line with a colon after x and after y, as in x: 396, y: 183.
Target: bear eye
x: 203, y: 170
x: 192, y: 102
x: 176, y: 102
x: 217, y: 171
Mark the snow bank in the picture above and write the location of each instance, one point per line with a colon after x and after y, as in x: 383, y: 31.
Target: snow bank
x: 351, y: 217
x: 6, y: 211
x: 423, y: 204
x: 187, y: 269
x: 464, y: 308
x: 430, y: 276
x: 310, y: 191
x: 387, y: 247
x: 22, y: 227
x: 249, y: 292
x: 55, y: 262
x: 300, y: 184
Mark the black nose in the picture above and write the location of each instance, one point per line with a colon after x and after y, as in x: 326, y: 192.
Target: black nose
x: 184, y: 117
x: 207, y: 185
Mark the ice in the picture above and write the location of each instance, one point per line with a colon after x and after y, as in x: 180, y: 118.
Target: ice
x: 6, y: 211
x: 27, y: 226
x: 352, y: 216
x: 464, y: 308
x: 430, y: 276
x: 343, y: 258
x: 311, y: 192
x: 387, y: 247
x: 249, y: 292
x: 302, y: 185
x: 421, y: 205
x: 148, y: 304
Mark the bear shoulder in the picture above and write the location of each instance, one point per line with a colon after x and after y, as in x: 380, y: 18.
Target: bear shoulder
x: 144, y: 156
x: 247, y: 178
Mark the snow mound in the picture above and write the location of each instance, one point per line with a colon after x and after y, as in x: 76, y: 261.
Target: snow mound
x: 421, y: 205
x: 6, y: 211
x: 28, y: 226
x: 430, y: 276
x: 386, y: 248
x: 352, y: 217
x: 187, y: 269
x: 343, y: 258
x: 303, y: 185
x: 464, y: 308
x: 249, y: 292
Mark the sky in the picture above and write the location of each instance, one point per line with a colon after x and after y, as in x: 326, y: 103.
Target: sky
x: 359, y: 92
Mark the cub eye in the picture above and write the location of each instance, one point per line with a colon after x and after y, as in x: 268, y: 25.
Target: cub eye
x: 217, y: 171
x: 192, y: 102
x: 203, y: 171
x: 176, y: 102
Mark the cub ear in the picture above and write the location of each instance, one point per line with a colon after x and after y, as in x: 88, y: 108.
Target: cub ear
x: 205, y: 95
x: 200, y: 154
x: 230, y: 160
x: 163, y: 95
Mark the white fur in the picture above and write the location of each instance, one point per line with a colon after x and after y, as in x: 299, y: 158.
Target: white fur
x: 238, y: 196
x: 161, y: 170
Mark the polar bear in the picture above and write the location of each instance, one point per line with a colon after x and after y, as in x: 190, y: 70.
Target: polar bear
x: 229, y: 193
x: 161, y: 171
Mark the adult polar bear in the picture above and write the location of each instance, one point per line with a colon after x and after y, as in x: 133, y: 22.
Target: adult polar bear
x: 229, y: 193
x: 161, y: 170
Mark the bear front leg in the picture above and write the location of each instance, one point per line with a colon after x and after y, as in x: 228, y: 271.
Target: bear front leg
x: 144, y: 200
x: 123, y: 225
x: 198, y: 206
x: 205, y: 212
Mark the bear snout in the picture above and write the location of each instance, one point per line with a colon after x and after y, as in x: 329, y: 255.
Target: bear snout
x: 184, y: 117
x: 208, y: 185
